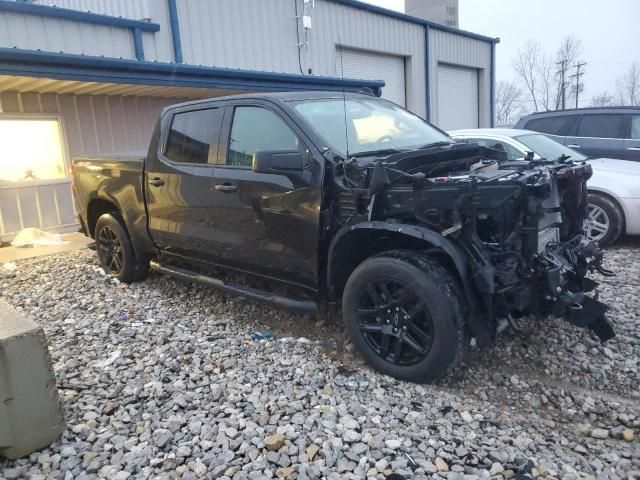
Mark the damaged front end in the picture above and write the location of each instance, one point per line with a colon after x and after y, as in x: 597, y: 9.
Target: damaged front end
x: 518, y: 223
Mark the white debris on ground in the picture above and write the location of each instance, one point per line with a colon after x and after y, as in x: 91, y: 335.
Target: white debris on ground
x: 190, y: 394
x: 34, y: 237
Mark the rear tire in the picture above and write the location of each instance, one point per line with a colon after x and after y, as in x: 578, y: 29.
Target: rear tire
x: 605, y: 220
x: 404, y: 314
x: 115, y: 251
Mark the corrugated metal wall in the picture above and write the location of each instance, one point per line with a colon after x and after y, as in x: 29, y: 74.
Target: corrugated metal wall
x: 92, y: 125
x: 57, y: 35
x: 270, y: 43
x: 451, y: 49
x: 156, y: 46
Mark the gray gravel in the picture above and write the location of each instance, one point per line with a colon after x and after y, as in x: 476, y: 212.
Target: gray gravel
x: 160, y: 379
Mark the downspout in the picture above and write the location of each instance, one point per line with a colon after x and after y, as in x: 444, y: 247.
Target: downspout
x: 175, y: 31
x: 492, y: 94
x: 427, y: 72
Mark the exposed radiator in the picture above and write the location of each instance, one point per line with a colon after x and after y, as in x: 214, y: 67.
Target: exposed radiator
x: 546, y: 236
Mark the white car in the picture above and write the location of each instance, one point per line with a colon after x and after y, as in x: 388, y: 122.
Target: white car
x: 614, y: 189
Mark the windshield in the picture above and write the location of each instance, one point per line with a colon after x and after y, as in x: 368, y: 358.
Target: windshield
x: 545, y: 147
x: 369, y: 124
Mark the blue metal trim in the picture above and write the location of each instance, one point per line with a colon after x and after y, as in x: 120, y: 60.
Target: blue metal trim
x: 492, y: 87
x: 138, y: 46
x: 408, y: 18
x: 65, y: 66
x: 175, y: 31
x: 76, y: 15
x: 427, y: 71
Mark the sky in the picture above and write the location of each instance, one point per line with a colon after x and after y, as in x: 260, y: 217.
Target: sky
x: 609, y: 31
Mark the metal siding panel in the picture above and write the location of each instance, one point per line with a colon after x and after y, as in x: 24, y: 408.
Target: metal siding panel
x: 87, y: 125
x: 28, y: 208
x: 31, y: 103
x: 64, y: 203
x: 10, y: 102
x: 9, y: 211
x: 103, y: 124
x: 55, y: 35
x: 134, y: 9
x: 46, y: 197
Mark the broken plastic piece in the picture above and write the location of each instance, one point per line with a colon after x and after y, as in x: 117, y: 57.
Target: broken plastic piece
x: 255, y: 336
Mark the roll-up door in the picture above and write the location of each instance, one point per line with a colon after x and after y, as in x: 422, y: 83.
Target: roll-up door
x: 374, y: 66
x: 457, y: 97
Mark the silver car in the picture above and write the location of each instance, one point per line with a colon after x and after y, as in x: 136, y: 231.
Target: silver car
x: 614, y: 189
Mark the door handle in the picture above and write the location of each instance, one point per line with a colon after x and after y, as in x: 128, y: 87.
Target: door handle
x: 635, y: 149
x: 573, y: 146
x: 156, y: 182
x: 226, y: 188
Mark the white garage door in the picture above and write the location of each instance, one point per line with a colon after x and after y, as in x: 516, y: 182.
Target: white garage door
x: 457, y: 97
x: 374, y: 66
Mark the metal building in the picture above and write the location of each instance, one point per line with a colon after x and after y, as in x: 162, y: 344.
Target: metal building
x: 87, y: 77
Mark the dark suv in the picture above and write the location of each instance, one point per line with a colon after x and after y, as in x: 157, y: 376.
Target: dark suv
x: 612, y: 132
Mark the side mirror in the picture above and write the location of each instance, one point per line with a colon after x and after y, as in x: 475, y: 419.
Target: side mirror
x: 278, y: 161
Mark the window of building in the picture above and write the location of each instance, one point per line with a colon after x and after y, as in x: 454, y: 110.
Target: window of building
x: 31, y: 150
x: 601, y: 126
x: 193, y: 136
x: 556, y: 125
x: 257, y: 129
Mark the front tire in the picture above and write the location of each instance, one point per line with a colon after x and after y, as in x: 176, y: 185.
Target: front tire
x: 115, y: 251
x: 605, y: 220
x: 404, y: 314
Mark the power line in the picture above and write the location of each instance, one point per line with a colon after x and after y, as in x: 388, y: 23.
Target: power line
x: 579, y: 73
x: 563, y: 85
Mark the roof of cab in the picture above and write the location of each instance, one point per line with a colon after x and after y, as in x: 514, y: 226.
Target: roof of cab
x: 281, y: 97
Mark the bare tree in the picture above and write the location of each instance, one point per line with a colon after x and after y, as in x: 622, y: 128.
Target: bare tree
x: 526, y: 65
x: 567, y: 54
x: 508, y: 103
x: 547, y: 82
x: 629, y: 86
x: 602, y: 100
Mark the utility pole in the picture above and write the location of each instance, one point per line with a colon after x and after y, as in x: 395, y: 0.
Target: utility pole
x: 578, y: 66
x: 563, y: 86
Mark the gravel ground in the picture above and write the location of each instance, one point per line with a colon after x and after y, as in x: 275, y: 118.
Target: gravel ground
x: 161, y: 379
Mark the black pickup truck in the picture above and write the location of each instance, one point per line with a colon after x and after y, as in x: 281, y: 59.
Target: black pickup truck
x: 350, y: 200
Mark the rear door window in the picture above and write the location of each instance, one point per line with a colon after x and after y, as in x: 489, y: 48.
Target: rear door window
x: 555, y: 125
x: 602, y: 126
x: 256, y: 129
x: 635, y: 127
x: 193, y: 136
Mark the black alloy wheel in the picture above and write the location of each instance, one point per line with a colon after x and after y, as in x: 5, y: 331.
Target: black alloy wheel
x: 406, y: 315
x: 110, y: 250
x: 395, y: 322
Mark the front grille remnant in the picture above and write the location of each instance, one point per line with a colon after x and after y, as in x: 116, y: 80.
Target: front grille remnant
x: 547, y: 236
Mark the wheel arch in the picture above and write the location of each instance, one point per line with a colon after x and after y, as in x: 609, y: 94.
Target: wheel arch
x: 615, y: 200
x: 355, y: 243
x: 96, y: 208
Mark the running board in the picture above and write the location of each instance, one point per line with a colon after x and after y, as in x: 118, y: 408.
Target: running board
x: 300, y: 306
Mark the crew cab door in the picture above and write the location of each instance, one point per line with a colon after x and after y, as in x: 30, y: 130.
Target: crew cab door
x: 178, y: 178
x: 266, y: 223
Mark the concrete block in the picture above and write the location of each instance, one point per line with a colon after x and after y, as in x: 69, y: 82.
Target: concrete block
x: 31, y: 414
